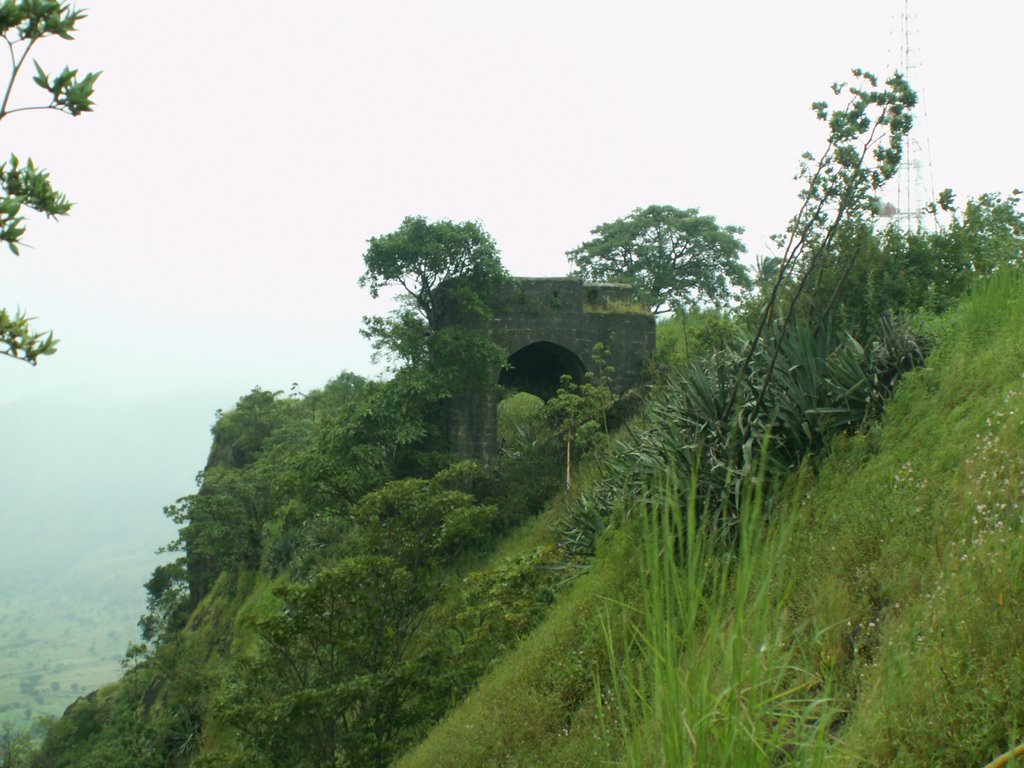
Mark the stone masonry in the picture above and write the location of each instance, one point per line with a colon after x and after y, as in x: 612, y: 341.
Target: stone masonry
x: 549, y: 327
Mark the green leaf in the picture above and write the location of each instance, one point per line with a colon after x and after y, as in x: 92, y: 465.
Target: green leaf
x: 41, y: 79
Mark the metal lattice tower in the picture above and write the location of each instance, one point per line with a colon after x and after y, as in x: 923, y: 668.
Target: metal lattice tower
x: 914, y: 186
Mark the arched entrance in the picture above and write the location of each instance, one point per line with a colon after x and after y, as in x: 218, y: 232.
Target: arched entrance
x: 548, y: 328
x: 538, y: 369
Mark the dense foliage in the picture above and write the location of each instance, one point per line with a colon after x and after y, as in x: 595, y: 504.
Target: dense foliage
x: 446, y: 273
x: 878, y: 273
x: 674, y: 259
x: 824, y: 384
x: 339, y: 671
x: 316, y: 612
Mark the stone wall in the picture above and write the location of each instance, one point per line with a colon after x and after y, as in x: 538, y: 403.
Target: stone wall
x: 550, y: 326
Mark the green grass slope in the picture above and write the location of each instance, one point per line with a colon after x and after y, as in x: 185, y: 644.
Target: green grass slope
x: 879, y: 622
x: 910, y: 556
x: 538, y: 706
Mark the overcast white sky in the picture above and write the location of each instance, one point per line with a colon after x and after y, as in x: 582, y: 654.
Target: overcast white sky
x: 241, y: 154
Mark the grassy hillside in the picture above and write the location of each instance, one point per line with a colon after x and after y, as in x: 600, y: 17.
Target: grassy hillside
x: 909, y: 558
x: 875, y: 621
x: 347, y: 597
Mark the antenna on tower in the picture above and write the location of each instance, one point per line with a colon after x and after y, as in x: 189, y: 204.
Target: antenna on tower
x: 914, y: 193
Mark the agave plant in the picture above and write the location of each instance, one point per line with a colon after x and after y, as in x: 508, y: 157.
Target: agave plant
x: 804, y: 385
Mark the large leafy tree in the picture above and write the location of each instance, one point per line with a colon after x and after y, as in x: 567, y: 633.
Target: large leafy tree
x: 23, y: 24
x: 446, y: 272
x: 429, y: 260
x: 675, y: 259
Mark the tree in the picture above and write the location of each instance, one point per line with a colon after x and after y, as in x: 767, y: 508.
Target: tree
x: 422, y: 256
x: 841, y: 188
x: 340, y: 676
x: 15, y: 745
x: 988, y: 234
x: 447, y: 271
x: 870, y: 274
x: 23, y: 23
x: 221, y: 527
x: 579, y: 412
x: 674, y: 259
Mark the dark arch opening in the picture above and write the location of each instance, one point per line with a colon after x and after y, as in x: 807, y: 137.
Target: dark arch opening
x: 538, y: 369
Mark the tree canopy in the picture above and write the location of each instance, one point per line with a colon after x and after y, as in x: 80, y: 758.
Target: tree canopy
x: 339, y: 673
x: 422, y: 256
x: 23, y: 23
x: 675, y: 259
x: 446, y: 271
